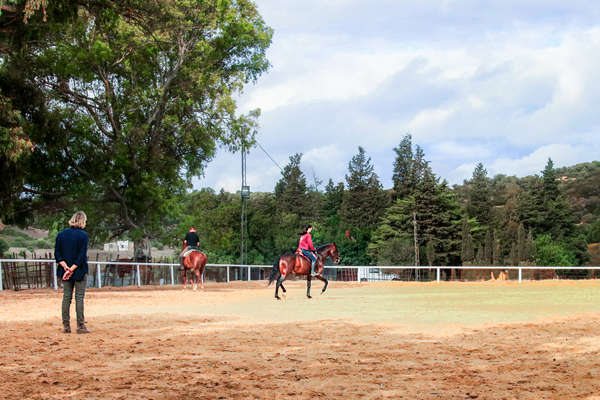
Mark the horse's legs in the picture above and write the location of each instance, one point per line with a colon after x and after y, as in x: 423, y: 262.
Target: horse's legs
x: 279, y: 282
x: 202, y: 279
x: 308, y: 283
x: 322, y: 278
x: 195, y: 279
x: 282, y: 288
x: 184, y: 278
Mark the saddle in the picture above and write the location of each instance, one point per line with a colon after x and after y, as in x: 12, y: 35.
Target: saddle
x: 302, y: 256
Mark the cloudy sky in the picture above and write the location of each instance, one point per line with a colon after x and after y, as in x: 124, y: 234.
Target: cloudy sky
x: 507, y: 83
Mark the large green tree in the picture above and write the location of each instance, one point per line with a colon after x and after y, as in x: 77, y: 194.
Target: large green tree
x: 144, y: 92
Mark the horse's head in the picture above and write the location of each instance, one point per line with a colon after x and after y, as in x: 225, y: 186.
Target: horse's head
x: 334, y: 253
x: 330, y: 250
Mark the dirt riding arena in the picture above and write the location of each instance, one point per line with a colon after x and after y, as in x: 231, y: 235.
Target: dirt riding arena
x: 501, y: 340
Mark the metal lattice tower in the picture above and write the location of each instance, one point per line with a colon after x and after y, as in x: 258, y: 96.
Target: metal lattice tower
x: 245, y: 194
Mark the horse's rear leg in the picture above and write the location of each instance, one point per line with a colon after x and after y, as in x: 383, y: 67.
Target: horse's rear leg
x: 308, y: 284
x: 279, y: 283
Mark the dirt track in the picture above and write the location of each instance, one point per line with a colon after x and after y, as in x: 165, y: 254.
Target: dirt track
x: 235, y: 342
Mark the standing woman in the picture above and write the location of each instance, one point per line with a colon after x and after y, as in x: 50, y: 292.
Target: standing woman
x: 70, y: 252
x: 306, y: 246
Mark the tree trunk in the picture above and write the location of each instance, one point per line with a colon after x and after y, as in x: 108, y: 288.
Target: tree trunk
x: 142, y: 250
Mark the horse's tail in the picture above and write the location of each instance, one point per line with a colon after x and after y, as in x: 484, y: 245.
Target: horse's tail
x: 274, y: 271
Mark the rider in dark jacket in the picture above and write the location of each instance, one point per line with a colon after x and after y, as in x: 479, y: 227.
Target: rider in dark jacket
x: 189, y: 243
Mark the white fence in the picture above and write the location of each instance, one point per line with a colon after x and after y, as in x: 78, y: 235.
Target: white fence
x: 27, y: 273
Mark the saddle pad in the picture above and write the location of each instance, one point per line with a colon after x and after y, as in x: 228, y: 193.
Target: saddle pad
x: 187, y: 253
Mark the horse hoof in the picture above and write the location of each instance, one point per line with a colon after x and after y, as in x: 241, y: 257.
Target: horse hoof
x: 278, y: 298
x: 310, y: 297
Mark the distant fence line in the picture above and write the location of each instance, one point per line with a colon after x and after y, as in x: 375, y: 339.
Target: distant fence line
x: 20, y: 274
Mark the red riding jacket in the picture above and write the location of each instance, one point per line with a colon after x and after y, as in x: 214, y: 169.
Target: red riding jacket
x: 306, y: 242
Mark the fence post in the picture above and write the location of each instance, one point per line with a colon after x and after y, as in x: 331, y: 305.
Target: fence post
x: 520, y: 274
x: 228, y: 274
x: 172, y: 276
x: 99, y: 276
x: 54, y: 275
x: 1, y: 288
x: 437, y: 274
x: 137, y: 268
x: 248, y: 273
x: 358, y: 274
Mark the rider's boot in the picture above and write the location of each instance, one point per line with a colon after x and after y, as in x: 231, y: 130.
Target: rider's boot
x: 312, y: 267
x: 82, y: 329
x: 181, y: 266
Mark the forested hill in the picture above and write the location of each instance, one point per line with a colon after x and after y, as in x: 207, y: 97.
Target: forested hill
x: 551, y: 218
x: 581, y: 183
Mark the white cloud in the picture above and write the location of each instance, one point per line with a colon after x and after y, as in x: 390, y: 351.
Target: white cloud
x: 507, y: 83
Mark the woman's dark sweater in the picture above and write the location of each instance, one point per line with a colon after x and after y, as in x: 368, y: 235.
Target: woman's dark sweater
x: 71, y: 247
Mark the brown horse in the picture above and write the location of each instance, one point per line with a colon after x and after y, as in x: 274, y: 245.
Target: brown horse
x: 195, y: 262
x: 295, y: 264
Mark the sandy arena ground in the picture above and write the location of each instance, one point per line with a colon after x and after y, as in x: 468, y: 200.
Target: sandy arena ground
x: 500, y: 340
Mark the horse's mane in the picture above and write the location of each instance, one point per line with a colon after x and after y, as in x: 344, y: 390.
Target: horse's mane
x: 321, y: 247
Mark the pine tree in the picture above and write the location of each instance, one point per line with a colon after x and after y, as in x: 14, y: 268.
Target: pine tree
x: 467, y: 252
x: 365, y: 201
x: 521, y: 246
x: 438, y: 220
x: 403, y: 177
x: 496, y: 253
x: 479, y: 201
x: 409, y: 168
x: 488, y: 248
x: 514, y: 254
x: 291, y: 192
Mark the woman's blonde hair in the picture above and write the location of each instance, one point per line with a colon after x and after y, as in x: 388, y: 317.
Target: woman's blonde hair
x: 78, y: 220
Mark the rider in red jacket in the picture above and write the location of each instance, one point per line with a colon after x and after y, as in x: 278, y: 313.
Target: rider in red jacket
x: 307, y: 247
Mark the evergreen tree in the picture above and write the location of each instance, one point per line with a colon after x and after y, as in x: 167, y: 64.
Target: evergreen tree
x: 522, y: 253
x: 479, y: 202
x: 334, y: 195
x: 291, y: 192
x: 513, y: 256
x: 558, y: 220
x: 404, y: 174
x: 409, y: 168
x: 364, y: 201
x: 467, y: 252
x: 438, y: 222
x: 496, y: 253
x: 488, y: 248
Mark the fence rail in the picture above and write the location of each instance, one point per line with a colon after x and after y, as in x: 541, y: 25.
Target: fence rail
x: 41, y: 273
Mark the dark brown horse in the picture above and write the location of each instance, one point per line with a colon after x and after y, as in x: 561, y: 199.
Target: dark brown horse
x: 195, y: 262
x: 295, y: 264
